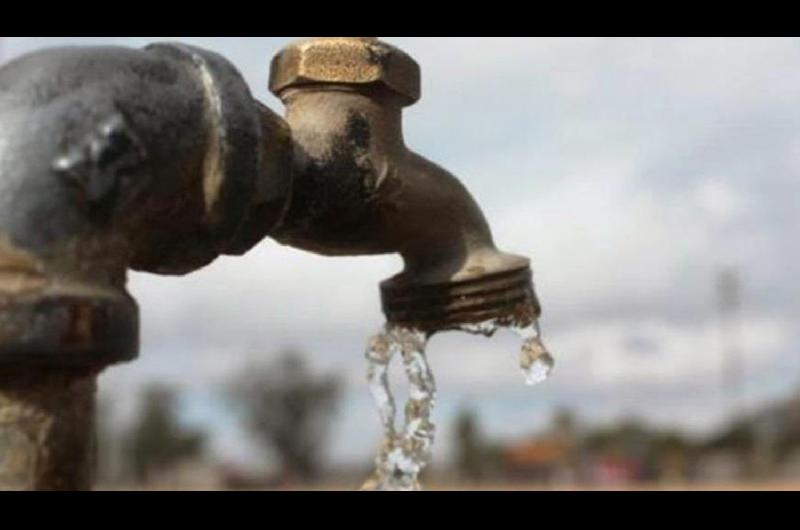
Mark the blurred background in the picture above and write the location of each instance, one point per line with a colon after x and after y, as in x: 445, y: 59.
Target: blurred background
x: 653, y: 183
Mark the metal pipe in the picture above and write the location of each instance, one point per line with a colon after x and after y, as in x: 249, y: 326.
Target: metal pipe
x: 110, y: 158
x: 47, y: 428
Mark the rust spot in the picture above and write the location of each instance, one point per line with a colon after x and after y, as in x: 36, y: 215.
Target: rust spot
x: 79, y: 330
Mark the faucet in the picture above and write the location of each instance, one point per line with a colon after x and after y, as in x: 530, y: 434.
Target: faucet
x: 358, y: 189
x: 160, y: 160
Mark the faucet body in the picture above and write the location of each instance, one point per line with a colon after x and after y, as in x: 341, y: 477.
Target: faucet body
x: 358, y: 189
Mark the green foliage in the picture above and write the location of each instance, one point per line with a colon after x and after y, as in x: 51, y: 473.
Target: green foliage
x: 475, y: 457
x: 469, y: 458
x: 157, y: 441
x: 289, y: 410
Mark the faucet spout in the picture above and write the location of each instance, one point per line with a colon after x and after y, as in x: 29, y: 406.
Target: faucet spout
x: 359, y: 190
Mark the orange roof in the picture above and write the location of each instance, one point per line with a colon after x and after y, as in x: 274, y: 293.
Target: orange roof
x: 536, y: 452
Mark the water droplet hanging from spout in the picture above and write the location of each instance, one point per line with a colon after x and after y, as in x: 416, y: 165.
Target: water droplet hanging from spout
x: 535, y: 361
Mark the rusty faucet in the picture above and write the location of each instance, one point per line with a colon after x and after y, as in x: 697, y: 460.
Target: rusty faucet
x: 359, y: 190
x: 160, y: 160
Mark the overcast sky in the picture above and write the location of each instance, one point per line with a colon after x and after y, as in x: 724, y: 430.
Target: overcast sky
x: 629, y: 170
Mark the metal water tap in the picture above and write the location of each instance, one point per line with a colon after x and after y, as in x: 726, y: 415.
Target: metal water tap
x: 160, y: 160
x: 359, y: 190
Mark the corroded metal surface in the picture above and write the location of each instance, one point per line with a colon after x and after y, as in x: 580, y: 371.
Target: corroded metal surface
x: 359, y: 190
x: 111, y: 158
x: 46, y: 429
x: 68, y: 329
x: 505, y: 299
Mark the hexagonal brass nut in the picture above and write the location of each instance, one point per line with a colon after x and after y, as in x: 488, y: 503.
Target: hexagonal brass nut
x: 346, y: 60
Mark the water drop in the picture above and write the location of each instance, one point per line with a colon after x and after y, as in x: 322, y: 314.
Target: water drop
x: 535, y: 361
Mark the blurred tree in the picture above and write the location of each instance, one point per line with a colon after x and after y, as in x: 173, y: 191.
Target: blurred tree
x: 157, y: 441
x: 289, y: 410
x: 476, y: 458
x: 660, y: 455
x: 564, y: 423
x: 737, y: 436
x: 672, y: 455
x: 627, y: 438
x: 565, y: 430
x: 469, y: 445
x: 788, y: 441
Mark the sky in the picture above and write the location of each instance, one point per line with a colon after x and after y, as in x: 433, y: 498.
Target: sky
x: 630, y: 171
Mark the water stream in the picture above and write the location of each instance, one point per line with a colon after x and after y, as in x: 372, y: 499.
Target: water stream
x: 404, y: 453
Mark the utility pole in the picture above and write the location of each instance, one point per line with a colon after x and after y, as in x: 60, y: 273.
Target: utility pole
x: 759, y: 457
x: 729, y: 299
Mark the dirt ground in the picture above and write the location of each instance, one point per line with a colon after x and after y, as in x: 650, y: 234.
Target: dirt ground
x: 793, y: 485
x: 726, y: 486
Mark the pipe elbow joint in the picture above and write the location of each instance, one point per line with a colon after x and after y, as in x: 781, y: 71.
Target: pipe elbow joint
x: 113, y: 158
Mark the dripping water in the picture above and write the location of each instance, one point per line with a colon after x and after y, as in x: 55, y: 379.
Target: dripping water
x: 535, y: 361
x: 404, y: 453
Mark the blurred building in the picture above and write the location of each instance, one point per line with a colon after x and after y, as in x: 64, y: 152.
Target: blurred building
x: 538, y: 460
x: 551, y: 458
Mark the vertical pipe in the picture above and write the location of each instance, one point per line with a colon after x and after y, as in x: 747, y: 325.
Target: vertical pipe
x: 47, y: 435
